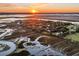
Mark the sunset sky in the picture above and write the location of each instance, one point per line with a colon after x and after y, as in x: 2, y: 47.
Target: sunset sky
x: 39, y: 8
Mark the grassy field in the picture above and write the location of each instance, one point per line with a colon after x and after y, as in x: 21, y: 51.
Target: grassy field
x: 74, y: 37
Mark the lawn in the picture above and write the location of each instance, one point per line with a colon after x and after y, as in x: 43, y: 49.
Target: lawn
x: 74, y: 37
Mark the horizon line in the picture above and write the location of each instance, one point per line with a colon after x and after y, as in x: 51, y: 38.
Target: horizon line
x: 40, y: 13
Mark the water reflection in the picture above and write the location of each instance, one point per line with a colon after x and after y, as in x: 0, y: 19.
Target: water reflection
x: 36, y: 35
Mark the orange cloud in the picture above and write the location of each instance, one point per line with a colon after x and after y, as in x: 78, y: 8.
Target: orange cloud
x: 41, y: 8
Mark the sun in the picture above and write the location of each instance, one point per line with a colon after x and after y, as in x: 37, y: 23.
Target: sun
x: 34, y: 11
